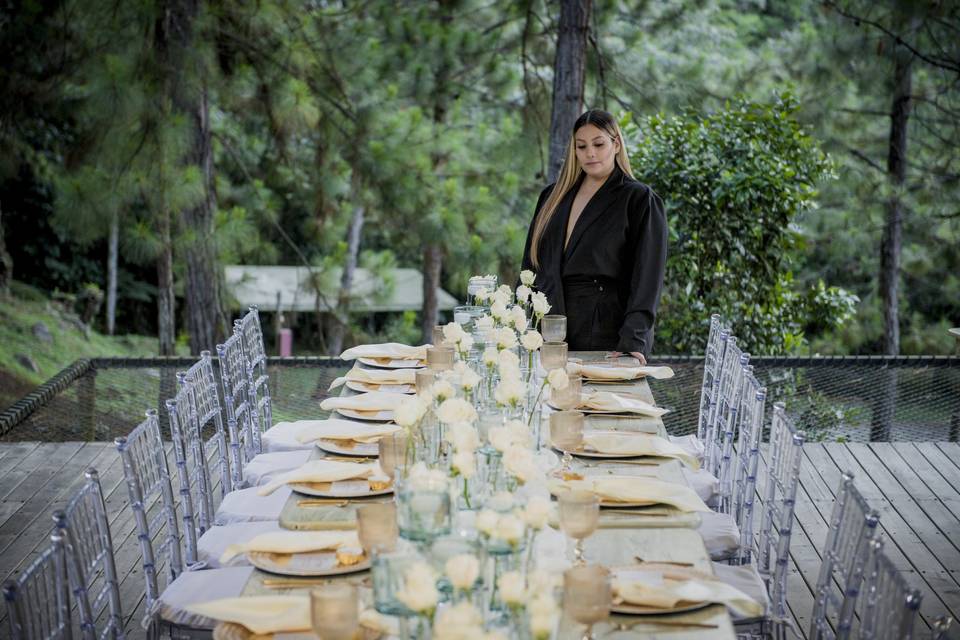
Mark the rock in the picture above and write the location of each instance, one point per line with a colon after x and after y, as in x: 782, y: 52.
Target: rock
x: 26, y: 362
x: 42, y: 333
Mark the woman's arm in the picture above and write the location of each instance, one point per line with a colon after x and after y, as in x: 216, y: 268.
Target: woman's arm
x: 648, y: 237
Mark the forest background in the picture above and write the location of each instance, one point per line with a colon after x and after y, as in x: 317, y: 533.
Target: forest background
x: 806, y: 150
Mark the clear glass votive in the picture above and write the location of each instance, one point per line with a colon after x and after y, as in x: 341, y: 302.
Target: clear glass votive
x: 566, y: 434
x: 387, y: 570
x: 392, y: 449
x: 569, y: 398
x: 377, y: 526
x: 424, y: 510
x: 424, y: 379
x: 579, y: 517
x: 553, y: 355
x: 335, y: 611
x: 437, y: 337
x: 553, y: 328
x: 440, y: 358
x: 587, y: 595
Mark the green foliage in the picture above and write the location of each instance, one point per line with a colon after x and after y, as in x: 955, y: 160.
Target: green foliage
x: 734, y: 182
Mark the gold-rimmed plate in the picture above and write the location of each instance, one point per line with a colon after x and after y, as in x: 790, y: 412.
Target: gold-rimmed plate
x: 349, y: 448
x: 367, y: 387
x: 392, y: 363
x: 643, y: 610
x: 382, y: 415
x: 359, y: 488
x: 316, y: 563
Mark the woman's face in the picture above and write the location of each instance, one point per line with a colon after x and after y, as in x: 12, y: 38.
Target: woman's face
x: 596, y: 150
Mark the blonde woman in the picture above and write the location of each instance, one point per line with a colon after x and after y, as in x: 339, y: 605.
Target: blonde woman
x: 598, y: 243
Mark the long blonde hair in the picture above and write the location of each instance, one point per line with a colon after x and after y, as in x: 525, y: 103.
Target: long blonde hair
x: 571, y: 171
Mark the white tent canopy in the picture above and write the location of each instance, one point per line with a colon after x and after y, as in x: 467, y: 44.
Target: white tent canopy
x: 396, y: 290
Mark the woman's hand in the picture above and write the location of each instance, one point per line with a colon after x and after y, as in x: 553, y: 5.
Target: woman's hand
x: 635, y: 354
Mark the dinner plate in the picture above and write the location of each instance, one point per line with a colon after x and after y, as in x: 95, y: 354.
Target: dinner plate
x: 392, y: 363
x: 608, y: 504
x: 641, y: 610
x: 602, y: 412
x: 383, y: 415
x: 580, y: 453
x: 349, y: 448
x: 366, y: 387
x: 358, y: 488
x: 315, y: 563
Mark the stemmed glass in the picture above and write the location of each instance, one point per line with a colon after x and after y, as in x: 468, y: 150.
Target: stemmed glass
x: 554, y: 328
x: 587, y: 595
x: 335, y: 611
x: 566, y: 434
x: 579, y: 518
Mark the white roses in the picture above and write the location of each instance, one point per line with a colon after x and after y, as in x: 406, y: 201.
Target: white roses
x: 419, y: 592
x: 527, y: 277
x: 513, y: 589
x: 558, y: 379
x: 410, y: 411
x: 540, y: 305
x: 537, y: 512
x: 509, y: 392
x: 463, y: 571
x: 531, y: 340
x: 455, y: 410
x: 505, y: 337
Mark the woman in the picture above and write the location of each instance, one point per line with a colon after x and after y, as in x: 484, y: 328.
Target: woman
x: 598, y: 243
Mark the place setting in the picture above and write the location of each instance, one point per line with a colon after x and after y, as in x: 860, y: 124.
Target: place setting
x: 364, y: 380
x: 389, y: 355
x: 333, y: 479
x: 373, y: 406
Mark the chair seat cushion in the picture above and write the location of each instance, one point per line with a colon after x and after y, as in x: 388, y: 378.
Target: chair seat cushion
x: 246, y: 506
x: 215, y: 540
x: 283, y: 437
x: 204, y: 585
x: 721, y: 535
x: 704, y: 483
x: 745, y: 578
x: 263, y: 467
x: 689, y: 443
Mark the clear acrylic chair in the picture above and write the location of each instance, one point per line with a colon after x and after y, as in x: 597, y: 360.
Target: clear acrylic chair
x: 722, y: 428
x: 38, y: 600
x: 149, y: 487
x: 853, y: 525
x: 85, y: 529
x: 236, y: 403
x: 713, y: 359
x: 209, y: 416
x: 743, y: 475
x: 258, y: 386
x: 890, y: 604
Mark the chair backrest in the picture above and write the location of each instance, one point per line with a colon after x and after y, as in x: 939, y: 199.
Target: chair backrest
x: 723, y: 425
x: 853, y: 525
x: 236, y: 403
x: 259, y: 389
x: 85, y: 529
x: 38, y: 600
x: 148, y: 485
x: 193, y: 472
x: 713, y: 359
x: 732, y: 396
x: 779, y: 503
x: 209, y: 417
x: 746, y: 463
x: 890, y: 604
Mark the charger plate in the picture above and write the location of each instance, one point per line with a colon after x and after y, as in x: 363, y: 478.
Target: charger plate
x: 392, y: 363
x: 349, y: 448
x: 340, y: 489
x: 316, y: 563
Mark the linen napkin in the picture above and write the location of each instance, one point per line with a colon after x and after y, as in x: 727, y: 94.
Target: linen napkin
x: 260, y: 614
x: 377, y: 376
x: 614, y: 403
x: 338, y: 429
x: 292, y: 542
x: 667, y: 589
x: 319, y: 471
x: 636, y: 489
x: 601, y: 372
x: 636, y: 444
x: 373, y: 402
x: 392, y: 350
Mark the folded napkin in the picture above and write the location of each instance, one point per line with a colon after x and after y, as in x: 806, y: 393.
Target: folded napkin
x: 260, y: 614
x: 601, y: 372
x: 292, y: 542
x: 636, y: 444
x: 636, y: 489
x: 377, y: 376
x: 373, y: 401
x: 612, y: 402
x: 666, y: 590
x: 338, y: 429
x: 319, y: 471
x: 392, y: 350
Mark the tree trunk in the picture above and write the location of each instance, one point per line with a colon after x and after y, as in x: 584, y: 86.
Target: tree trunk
x: 342, y: 314
x: 112, y: 259
x: 166, y: 302
x: 568, y: 72
x: 432, y: 266
x: 6, y: 263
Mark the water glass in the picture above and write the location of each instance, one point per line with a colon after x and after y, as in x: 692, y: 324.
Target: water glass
x: 335, y: 611
x: 377, y: 526
x: 424, y: 510
x: 437, y: 336
x: 392, y: 449
x: 424, y: 379
x: 579, y: 517
x: 440, y: 358
x: 388, y: 569
x: 553, y: 355
x: 568, y: 398
x: 587, y: 595
x: 554, y: 328
x: 566, y: 434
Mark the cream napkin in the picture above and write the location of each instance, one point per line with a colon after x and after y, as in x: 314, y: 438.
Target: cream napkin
x: 373, y: 401
x: 606, y: 401
x: 600, y: 372
x: 636, y: 444
x: 259, y: 614
x: 636, y: 489
x: 377, y: 376
x: 663, y: 591
x: 337, y: 429
x: 292, y: 542
x: 319, y: 471
x: 393, y: 350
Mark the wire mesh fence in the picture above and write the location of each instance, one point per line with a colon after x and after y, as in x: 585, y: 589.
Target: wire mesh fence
x: 854, y: 399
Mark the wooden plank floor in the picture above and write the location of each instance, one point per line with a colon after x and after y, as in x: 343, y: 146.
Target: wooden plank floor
x: 914, y: 486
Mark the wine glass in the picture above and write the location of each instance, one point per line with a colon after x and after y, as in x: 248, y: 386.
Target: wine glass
x: 392, y: 450
x: 587, y: 595
x: 553, y: 355
x: 568, y: 398
x: 335, y: 611
x: 579, y: 517
x: 566, y: 433
x: 554, y: 328
x: 377, y: 526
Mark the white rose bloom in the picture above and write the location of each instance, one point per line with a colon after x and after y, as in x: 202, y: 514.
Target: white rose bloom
x: 527, y: 277
x: 499, y: 311
x: 469, y: 379
x: 512, y: 588
x: 421, y: 476
x: 441, y: 390
x: 531, y: 340
x: 518, y: 318
x: 465, y: 343
x: 510, y: 528
x: 523, y: 293
x: 465, y: 463
x: 537, y: 512
x: 482, y: 295
x: 409, y: 411
x: 542, y: 626
x: 506, y: 338
x: 505, y: 290
x: 544, y: 582
x: 463, y: 570
x: 456, y: 410
x: 519, y: 432
x: 491, y: 356
x: 540, y: 305
x: 519, y: 463
x: 558, y: 379
x: 460, y: 622
x: 509, y: 392
x: 501, y: 501
x: 463, y: 437
x: 500, y: 438
x: 486, y: 521
x: 419, y: 592
x: 508, y: 359
x: 483, y: 323
x: 452, y: 332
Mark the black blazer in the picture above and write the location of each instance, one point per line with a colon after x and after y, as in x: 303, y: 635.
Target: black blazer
x: 611, y: 272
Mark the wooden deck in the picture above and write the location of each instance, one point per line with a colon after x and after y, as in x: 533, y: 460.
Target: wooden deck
x: 914, y: 486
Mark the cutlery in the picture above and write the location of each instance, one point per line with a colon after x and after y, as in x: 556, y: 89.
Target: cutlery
x: 614, y: 461
x: 320, y: 502
x: 665, y: 623
x: 671, y: 562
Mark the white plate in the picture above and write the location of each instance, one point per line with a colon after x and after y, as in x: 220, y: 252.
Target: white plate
x: 349, y: 448
x: 366, y: 387
x: 640, y: 610
x: 359, y: 488
x: 387, y: 363
x: 317, y: 563
x: 379, y: 416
